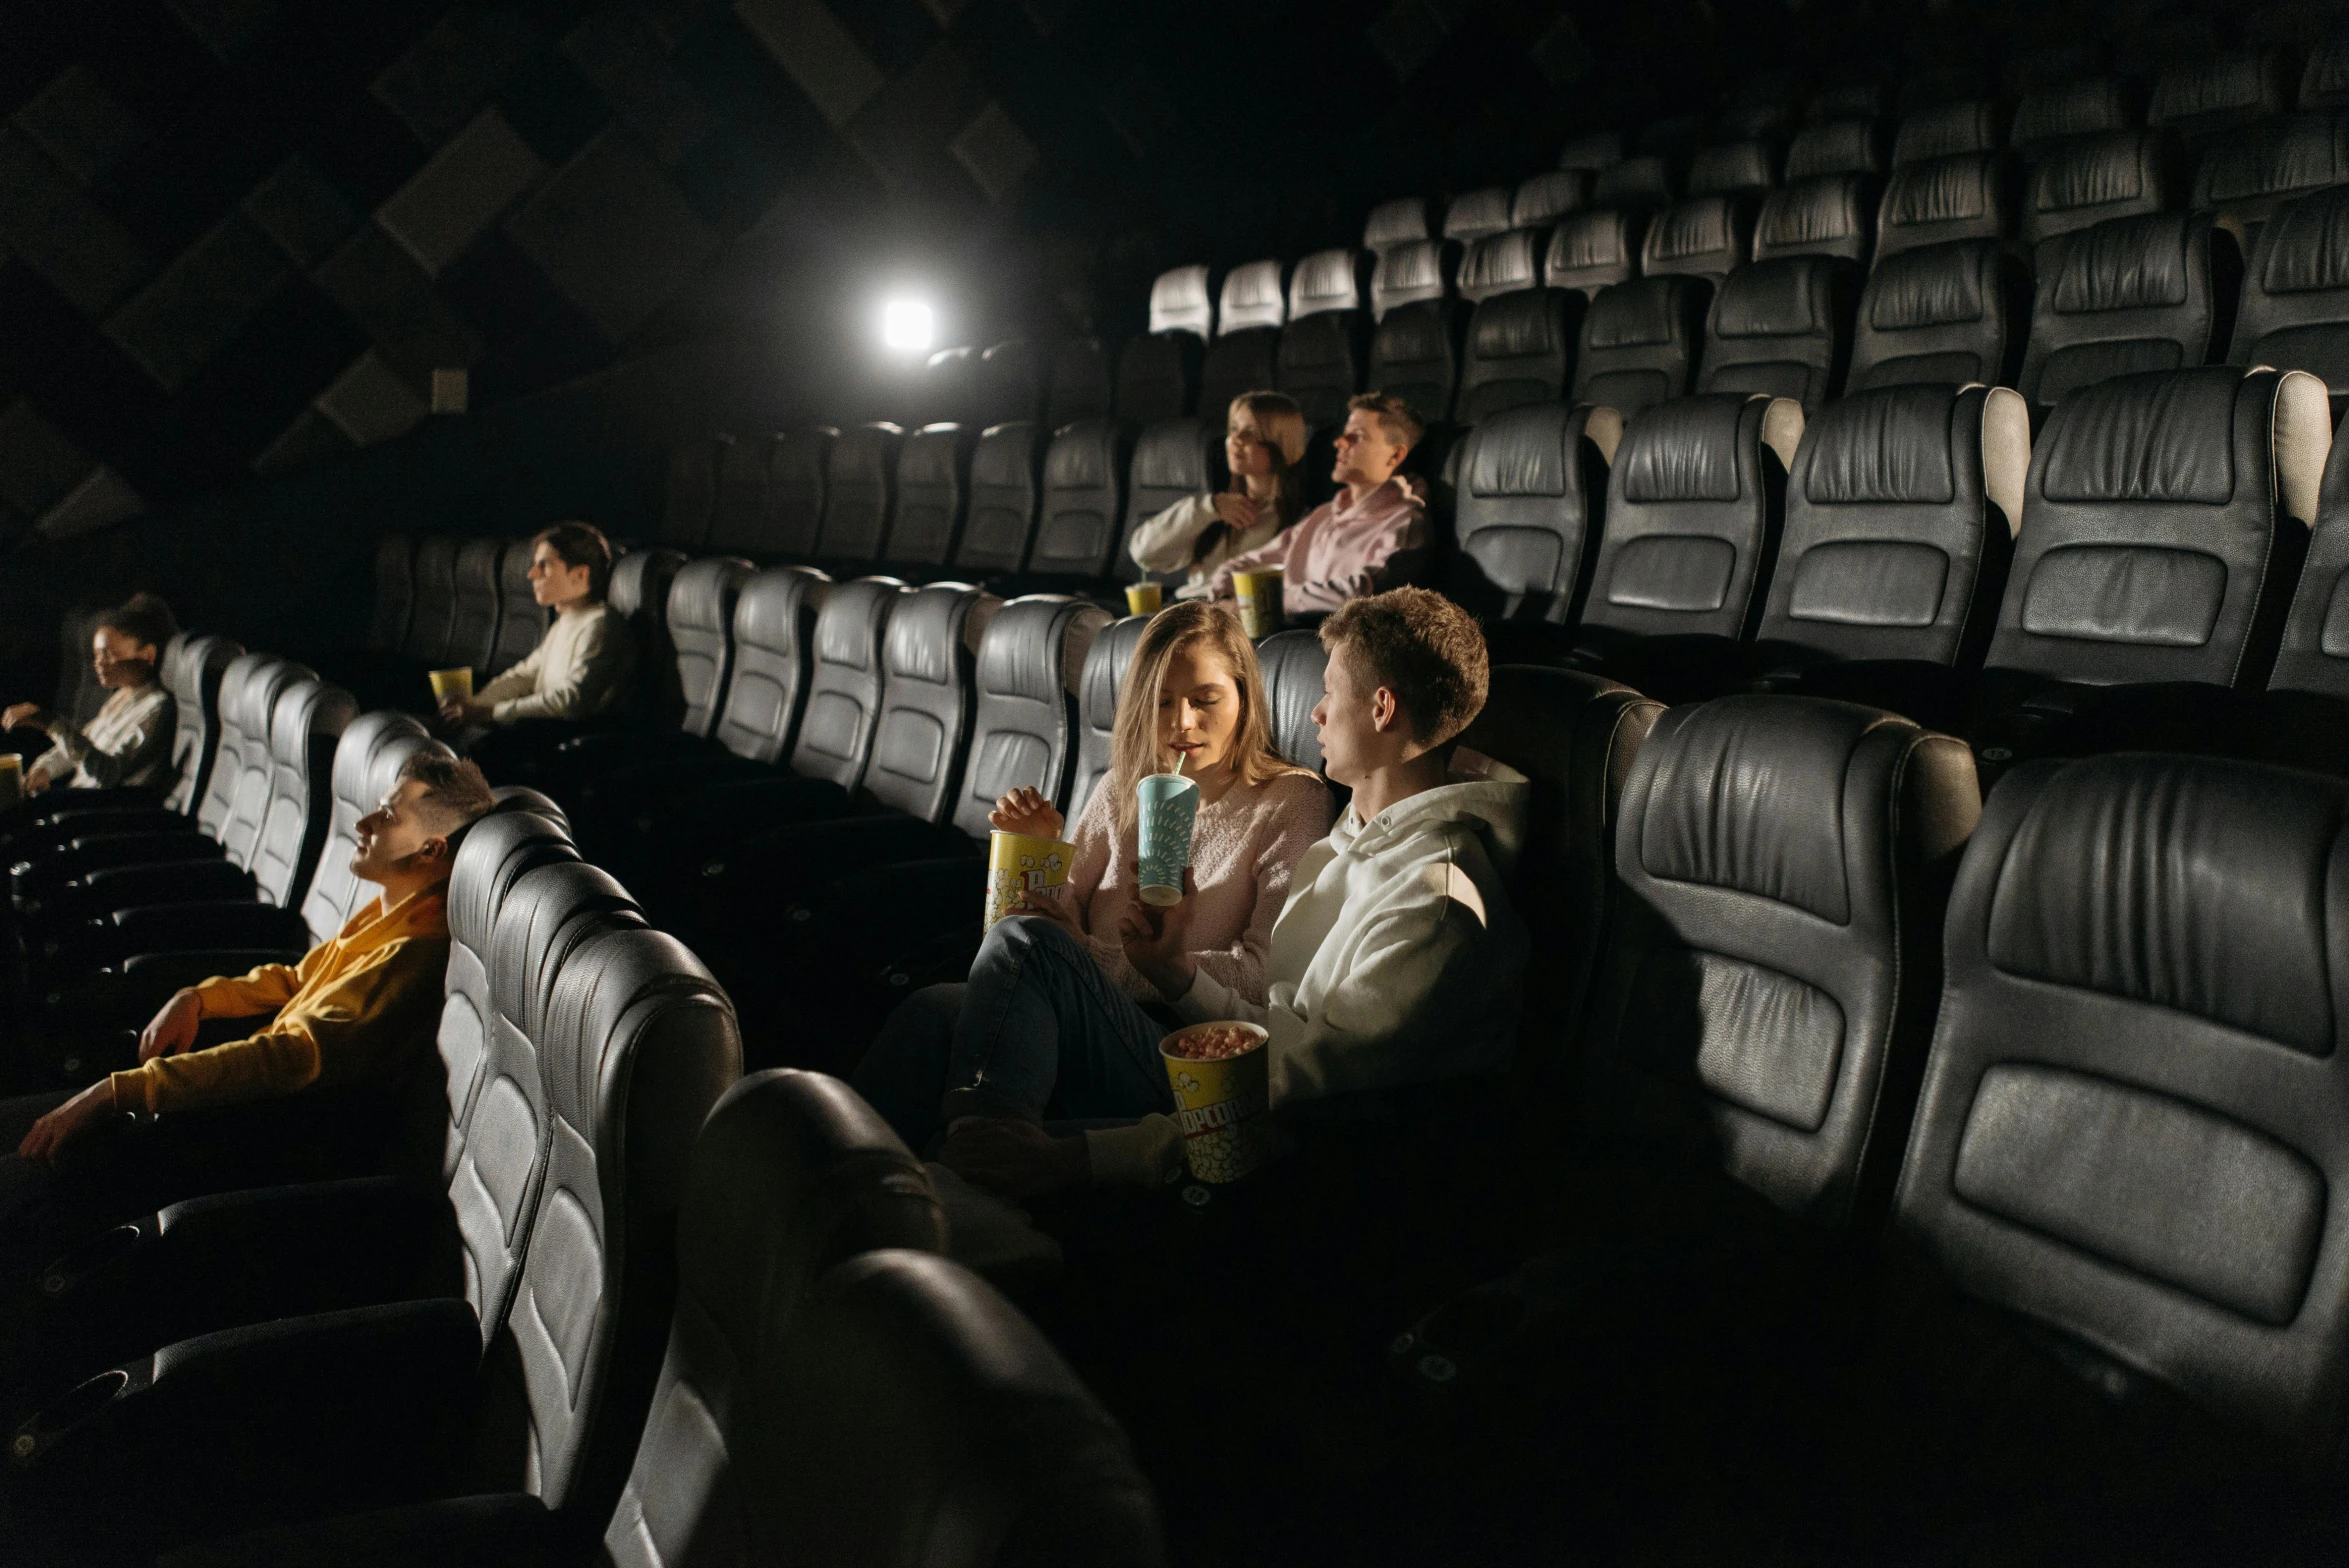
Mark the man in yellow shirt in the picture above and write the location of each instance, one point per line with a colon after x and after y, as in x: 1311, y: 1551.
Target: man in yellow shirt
x: 358, y: 1012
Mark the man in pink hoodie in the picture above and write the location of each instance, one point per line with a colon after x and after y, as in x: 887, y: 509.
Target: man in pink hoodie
x: 1346, y: 548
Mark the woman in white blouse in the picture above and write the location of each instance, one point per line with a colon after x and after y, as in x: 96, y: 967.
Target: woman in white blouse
x: 1264, y: 441
x: 129, y: 741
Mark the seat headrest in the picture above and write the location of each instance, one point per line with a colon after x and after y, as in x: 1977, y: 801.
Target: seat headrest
x: 1790, y: 297
x: 1408, y: 271
x: 1173, y: 454
x: 1474, y: 214
x: 1393, y: 223
x: 1736, y: 169
x: 1180, y: 302
x: 864, y: 454
x: 1251, y: 298
x: 1592, y: 151
x: 1508, y: 326
x: 1644, y: 182
x: 1005, y: 455
x: 2164, y: 436
x: 2324, y: 83
x: 1837, y: 147
x: 1683, y: 450
x: 931, y: 455
x: 1542, y: 200
x: 853, y: 613
x: 1930, y: 287
x: 358, y: 757
x: 1825, y: 215
x: 1849, y: 101
x: 2222, y: 90
x: 1637, y: 314
x: 1295, y: 666
x: 436, y: 557
x: 477, y: 566
x: 1327, y: 280
x: 1522, y: 451
x: 1082, y: 457
x: 2096, y: 106
x: 2093, y: 178
x: 1674, y: 136
x: 1954, y: 198
x: 1021, y: 655
x: 307, y: 711
x: 519, y: 800
x: 1704, y: 236
x: 1590, y: 250
x: 766, y: 615
x: 640, y: 579
x: 1423, y: 333
x: 494, y: 854
x: 701, y: 596
x: 1946, y: 130
x: 926, y: 633
x: 201, y: 668
x: 1500, y: 264
x: 2136, y: 263
x: 1081, y: 383
x: 2304, y: 153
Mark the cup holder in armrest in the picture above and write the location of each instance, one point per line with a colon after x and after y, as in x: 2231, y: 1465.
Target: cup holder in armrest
x: 102, y: 1251
x: 1480, y: 1337
x: 89, y: 1400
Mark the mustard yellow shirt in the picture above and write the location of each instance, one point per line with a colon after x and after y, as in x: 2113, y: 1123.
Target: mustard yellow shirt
x: 360, y: 1008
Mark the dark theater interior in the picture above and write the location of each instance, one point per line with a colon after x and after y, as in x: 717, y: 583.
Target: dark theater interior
x: 1219, y: 784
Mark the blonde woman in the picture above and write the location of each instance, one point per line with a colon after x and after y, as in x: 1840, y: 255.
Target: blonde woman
x: 1264, y: 441
x: 1055, y: 1015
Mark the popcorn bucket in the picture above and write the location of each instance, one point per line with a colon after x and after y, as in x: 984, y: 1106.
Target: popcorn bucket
x: 452, y: 683
x: 1259, y: 595
x: 1222, y: 1100
x: 11, y: 779
x: 1017, y: 864
x: 1144, y: 598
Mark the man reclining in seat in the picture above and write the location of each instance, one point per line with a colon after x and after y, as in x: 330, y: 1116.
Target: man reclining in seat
x: 1396, y: 959
x: 359, y: 1012
x: 582, y: 667
x: 1364, y: 538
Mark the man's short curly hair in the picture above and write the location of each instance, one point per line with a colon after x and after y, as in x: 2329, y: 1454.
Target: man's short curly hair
x: 455, y: 794
x: 1395, y: 417
x: 1422, y: 647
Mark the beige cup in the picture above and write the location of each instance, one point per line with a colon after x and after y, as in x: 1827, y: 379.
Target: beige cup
x: 1259, y: 596
x: 452, y: 683
x: 1144, y: 598
x: 11, y: 779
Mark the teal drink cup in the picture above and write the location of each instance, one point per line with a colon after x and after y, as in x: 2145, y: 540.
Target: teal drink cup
x: 1169, y: 806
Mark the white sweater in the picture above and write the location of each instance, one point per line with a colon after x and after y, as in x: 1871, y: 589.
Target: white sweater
x: 579, y: 670
x: 1164, y: 543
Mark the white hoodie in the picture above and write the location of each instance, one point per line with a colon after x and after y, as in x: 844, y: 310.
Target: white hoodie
x: 1396, y: 960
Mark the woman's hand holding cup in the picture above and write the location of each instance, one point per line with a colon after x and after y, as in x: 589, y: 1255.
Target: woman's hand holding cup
x: 1157, y: 941
x: 1026, y: 811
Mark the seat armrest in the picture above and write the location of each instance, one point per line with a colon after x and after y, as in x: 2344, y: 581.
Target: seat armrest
x: 42, y: 835
x: 162, y: 928
x: 42, y: 875
x: 511, y: 1529
x: 172, y: 882
x: 253, y: 1426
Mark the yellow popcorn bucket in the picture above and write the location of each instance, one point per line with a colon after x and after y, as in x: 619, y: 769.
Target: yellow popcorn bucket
x: 1144, y: 598
x: 1259, y: 596
x: 1223, y: 1107
x: 452, y: 683
x: 1017, y: 864
x: 11, y: 779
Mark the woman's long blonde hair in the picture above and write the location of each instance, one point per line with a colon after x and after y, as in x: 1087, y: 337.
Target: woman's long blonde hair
x: 1134, y: 746
x: 1280, y: 425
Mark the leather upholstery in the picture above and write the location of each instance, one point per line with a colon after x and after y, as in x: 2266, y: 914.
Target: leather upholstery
x: 1252, y: 298
x: 2133, y: 1111
x: 1329, y: 280
x: 1639, y: 343
x: 1106, y: 663
x: 1825, y: 215
x: 1644, y: 182
x: 1704, y: 236
x: 1083, y: 386
x: 1500, y: 263
x: 1182, y: 300
x: 791, y: 1175
x: 1172, y: 460
x: 1010, y: 383
x: 1031, y: 661
x: 1528, y: 497
x: 1237, y: 363
x: 521, y: 622
x: 367, y: 763
x: 1005, y: 486
x: 1694, y: 504
x: 1849, y: 100
x: 1082, y: 513
x: 689, y: 494
x: 1295, y: 668
x: 1519, y: 346
x: 1765, y: 105
x: 640, y: 595
x: 1157, y: 374
x: 236, y: 797
x: 1415, y: 355
x: 2154, y: 544
x: 1766, y: 1000
x: 2083, y: 182
x: 844, y: 686
x: 1674, y: 136
x: 2129, y: 294
x: 860, y: 477
x: 932, y: 465
x: 495, y: 854
x: 435, y: 604
x: 1472, y: 215
x: 2314, y: 656
x: 797, y: 462
x: 1946, y: 130
x: 1592, y: 151
x: 1836, y: 147
x: 949, y: 392
x: 1781, y: 327
x: 701, y: 616
x: 1321, y: 357
x: 2250, y: 172
x: 1594, y: 250
x: 2092, y: 106
x: 1898, y: 530
x: 1393, y: 223
x: 1955, y: 312
x: 774, y: 656
x: 926, y: 675
x: 1547, y: 197
x: 1959, y: 197
x: 2221, y: 93
x: 305, y: 725
x: 473, y: 623
x: 195, y: 668
x: 1746, y: 168
x: 738, y: 520
x: 2295, y: 300
x: 2324, y: 81
x: 395, y: 591
x: 1409, y: 271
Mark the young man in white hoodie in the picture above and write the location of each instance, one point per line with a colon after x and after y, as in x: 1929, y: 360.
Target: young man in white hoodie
x: 1397, y: 958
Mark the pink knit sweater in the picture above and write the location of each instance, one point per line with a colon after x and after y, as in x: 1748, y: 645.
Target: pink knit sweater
x: 1242, y: 851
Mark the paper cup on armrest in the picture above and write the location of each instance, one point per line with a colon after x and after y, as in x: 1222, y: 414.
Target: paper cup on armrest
x: 1169, y: 809
x: 1145, y: 598
x: 1222, y: 1102
x: 452, y: 683
x: 1017, y: 864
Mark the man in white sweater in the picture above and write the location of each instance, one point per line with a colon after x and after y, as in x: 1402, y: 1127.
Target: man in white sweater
x: 582, y: 666
x: 1397, y: 958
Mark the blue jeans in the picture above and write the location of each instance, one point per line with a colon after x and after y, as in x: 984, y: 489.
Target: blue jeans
x: 1040, y: 1025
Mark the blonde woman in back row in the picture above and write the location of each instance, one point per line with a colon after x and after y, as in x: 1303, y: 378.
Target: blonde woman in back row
x: 1264, y: 441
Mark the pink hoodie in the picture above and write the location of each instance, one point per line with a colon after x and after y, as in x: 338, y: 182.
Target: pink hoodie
x: 1339, y: 551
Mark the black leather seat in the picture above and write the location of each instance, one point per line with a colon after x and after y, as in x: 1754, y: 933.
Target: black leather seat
x: 738, y: 517
x: 1543, y: 199
x: 1520, y: 348
x: 1157, y: 371
x: 1965, y: 125
x: 2294, y: 311
x: 395, y: 595
x: 1639, y: 343
x: 1702, y: 237
x: 1695, y: 501
x: 1173, y: 460
x: 1472, y: 215
x: 1643, y: 183
x: 1296, y: 674
x: 2164, y: 519
x: 1946, y: 300
x: 950, y: 387
x: 1248, y: 321
x: 688, y: 495
x: 1411, y: 272
x: 639, y: 595
x: 2247, y: 174
x: 521, y: 620
x: 1960, y: 196
x: 1397, y: 222
x: 797, y: 461
x: 1011, y: 385
x: 2198, y: 103
x: 1415, y: 355
x: 1325, y: 345
x: 1106, y: 663
x: 1835, y: 147
x: 2124, y: 174
x: 1080, y: 515
x: 933, y: 467
x: 2303, y: 720
x: 2054, y: 116
x: 1083, y: 385
x: 1529, y: 492
x: 1594, y: 250
x: 2129, y: 295
x: 1762, y: 106
x: 1740, y: 168
x: 860, y: 480
x: 1500, y: 263
x: 1592, y: 151
x: 433, y: 613
x: 1006, y: 484
x: 1781, y: 327
x: 1901, y: 511
x: 473, y: 622
x: 1853, y: 99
